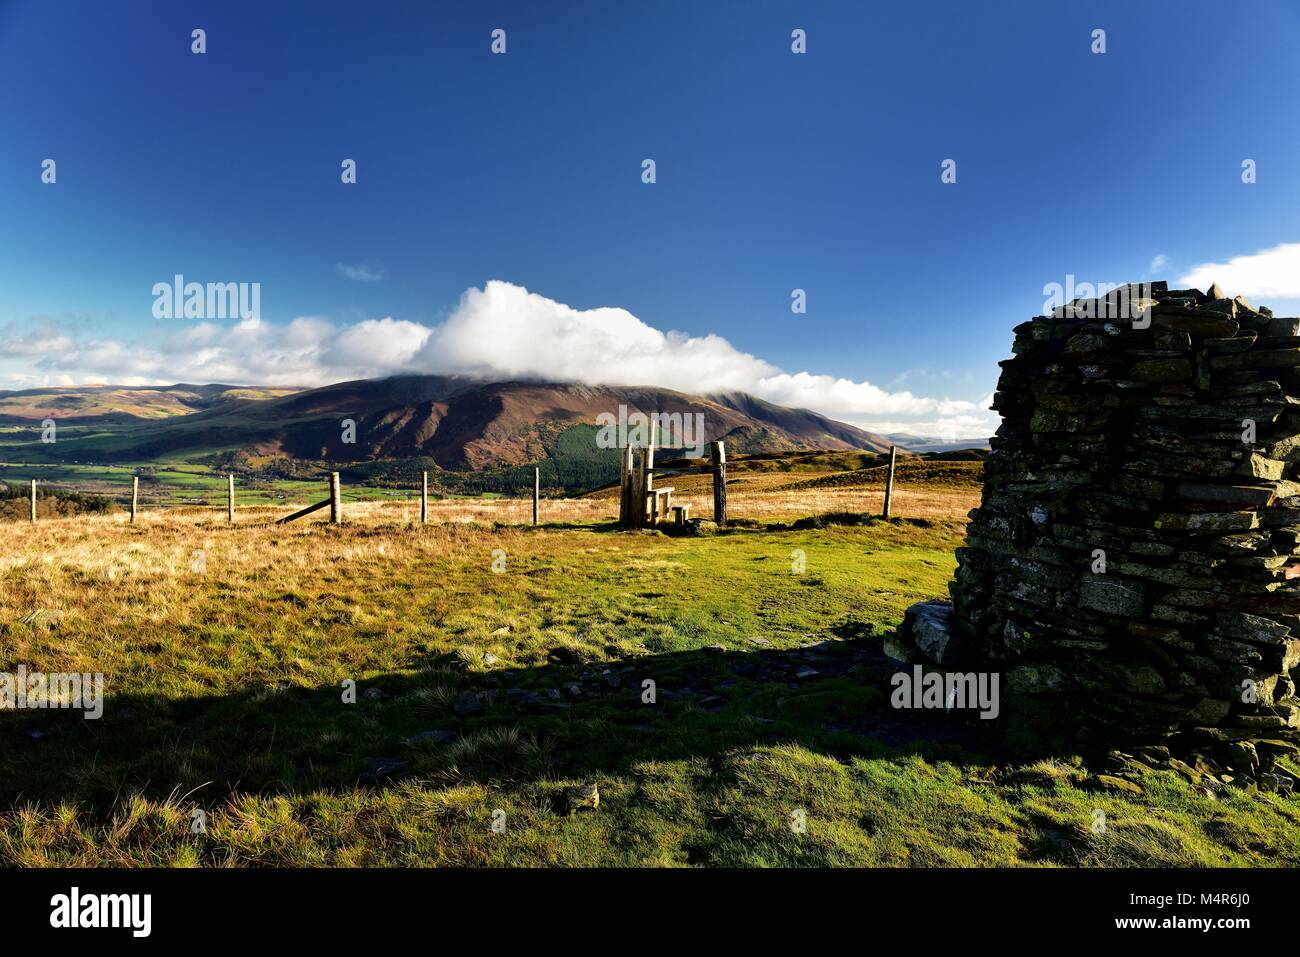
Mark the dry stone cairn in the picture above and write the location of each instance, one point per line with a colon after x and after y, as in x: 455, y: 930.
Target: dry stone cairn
x: 1133, y: 569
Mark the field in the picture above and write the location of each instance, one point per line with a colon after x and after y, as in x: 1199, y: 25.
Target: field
x: 496, y: 666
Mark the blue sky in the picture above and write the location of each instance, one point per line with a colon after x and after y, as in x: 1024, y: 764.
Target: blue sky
x: 775, y: 171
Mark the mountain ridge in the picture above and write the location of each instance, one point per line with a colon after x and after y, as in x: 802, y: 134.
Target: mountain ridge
x: 457, y: 421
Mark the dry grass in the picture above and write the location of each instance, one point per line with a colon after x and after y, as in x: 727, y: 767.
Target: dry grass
x: 223, y: 694
x: 759, y: 498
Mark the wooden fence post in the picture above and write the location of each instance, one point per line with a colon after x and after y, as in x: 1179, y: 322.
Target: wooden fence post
x: 625, y: 487
x: 33, y: 500
x: 636, y: 492
x: 648, y: 474
x: 336, y: 499
x: 135, y: 495
x: 537, y: 490
x: 889, y: 481
x: 230, y: 498
x: 719, y: 483
x: 424, y: 498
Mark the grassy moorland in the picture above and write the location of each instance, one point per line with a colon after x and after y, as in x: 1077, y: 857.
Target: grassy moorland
x: 498, y: 665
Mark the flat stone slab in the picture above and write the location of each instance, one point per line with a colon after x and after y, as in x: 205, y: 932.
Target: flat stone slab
x: 930, y: 627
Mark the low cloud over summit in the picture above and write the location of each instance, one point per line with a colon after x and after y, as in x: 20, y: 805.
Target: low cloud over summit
x: 501, y: 331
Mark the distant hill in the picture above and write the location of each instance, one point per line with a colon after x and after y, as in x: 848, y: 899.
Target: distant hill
x: 917, y: 443
x: 121, y: 404
x: 455, y: 422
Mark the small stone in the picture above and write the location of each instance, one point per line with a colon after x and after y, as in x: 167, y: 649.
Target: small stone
x: 1114, y: 596
x: 1155, y: 754
x: 582, y: 797
x: 1242, y: 782
x: 1242, y: 757
x: 1210, y: 711
x: 930, y: 625
x: 715, y: 649
x: 490, y: 659
x: 898, y: 650
x: 1035, y: 679
x: 806, y: 672
x: 1112, y: 783
x: 1281, y: 328
x: 373, y: 694
x: 1162, y: 370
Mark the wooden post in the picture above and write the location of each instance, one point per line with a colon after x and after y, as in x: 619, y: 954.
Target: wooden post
x: 636, y: 492
x: 230, y: 498
x: 625, y: 487
x: 135, y: 495
x: 537, y: 490
x: 719, y: 483
x: 305, y: 511
x: 648, y: 475
x: 33, y: 500
x: 650, y: 454
x: 424, y: 498
x: 336, y: 499
x: 889, y: 481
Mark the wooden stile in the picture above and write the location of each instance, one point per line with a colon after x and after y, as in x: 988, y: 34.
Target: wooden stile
x: 230, y: 498
x: 135, y: 495
x: 33, y: 500
x: 424, y: 498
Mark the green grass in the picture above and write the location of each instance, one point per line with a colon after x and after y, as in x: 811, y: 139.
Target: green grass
x: 225, y: 695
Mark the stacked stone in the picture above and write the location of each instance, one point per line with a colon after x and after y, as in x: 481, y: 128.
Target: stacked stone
x: 1133, y: 569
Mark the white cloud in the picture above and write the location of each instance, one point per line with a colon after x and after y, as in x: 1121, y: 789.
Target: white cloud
x: 38, y: 342
x: 377, y: 343
x: 844, y: 397
x: 1270, y: 273
x: 505, y: 331
x: 501, y: 331
x: 358, y: 273
x: 1159, y: 264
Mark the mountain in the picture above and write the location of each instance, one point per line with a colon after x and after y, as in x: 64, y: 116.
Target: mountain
x: 458, y: 422
x: 918, y: 443
x: 110, y: 403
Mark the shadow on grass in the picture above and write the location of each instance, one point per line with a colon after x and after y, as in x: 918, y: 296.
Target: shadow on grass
x: 451, y: 722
